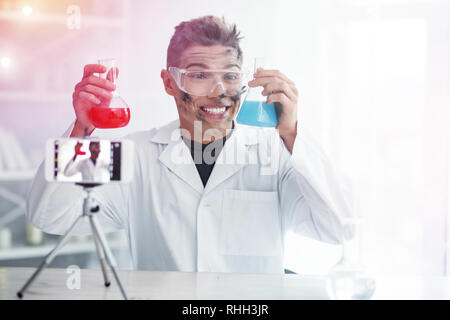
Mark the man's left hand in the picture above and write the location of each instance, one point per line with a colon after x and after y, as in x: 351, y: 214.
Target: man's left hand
x: 280, y: 89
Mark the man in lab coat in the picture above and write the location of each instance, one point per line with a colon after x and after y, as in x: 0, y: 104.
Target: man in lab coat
x: 207, y: 194
x: 92, y: 169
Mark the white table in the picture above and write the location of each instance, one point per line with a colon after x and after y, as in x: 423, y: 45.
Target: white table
x: 51, y: 284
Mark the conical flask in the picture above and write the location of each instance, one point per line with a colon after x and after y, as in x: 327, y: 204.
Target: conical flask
x: 114, y: 113
x: 254, y: 111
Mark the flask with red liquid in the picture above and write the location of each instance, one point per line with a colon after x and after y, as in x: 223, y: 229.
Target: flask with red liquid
x: 114, y: 113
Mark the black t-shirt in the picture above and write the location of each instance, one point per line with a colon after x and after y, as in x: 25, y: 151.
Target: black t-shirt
x: 205, y: 155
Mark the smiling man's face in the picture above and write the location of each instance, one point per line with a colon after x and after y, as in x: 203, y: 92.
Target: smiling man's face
x: 94, y: 149
x: 215, y: 110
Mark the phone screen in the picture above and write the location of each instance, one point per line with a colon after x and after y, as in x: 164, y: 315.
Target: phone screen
x: 87, y: 161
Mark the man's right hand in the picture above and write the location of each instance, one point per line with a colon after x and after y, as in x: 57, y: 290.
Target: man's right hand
x: 77, y: 150
x: 90, y: 92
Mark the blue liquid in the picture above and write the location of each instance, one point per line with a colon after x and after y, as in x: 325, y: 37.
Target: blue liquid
x: 249, y: 114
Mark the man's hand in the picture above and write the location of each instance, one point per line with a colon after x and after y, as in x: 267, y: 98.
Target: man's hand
x: 280, y: 89
x: 77, y: 150
x: 90, y: 92
x: 78, y: 147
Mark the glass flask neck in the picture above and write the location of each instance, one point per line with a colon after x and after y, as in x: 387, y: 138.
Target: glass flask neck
x: 113, y: 79
x: 110, y: 73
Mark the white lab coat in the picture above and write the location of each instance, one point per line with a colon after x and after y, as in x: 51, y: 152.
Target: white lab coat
x: 237, y: 223
x: 90, y: 172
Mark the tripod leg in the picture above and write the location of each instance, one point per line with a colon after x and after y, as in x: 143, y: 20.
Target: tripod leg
x: 101, y: 258
x: 49, y: 258
x: 109, y: 256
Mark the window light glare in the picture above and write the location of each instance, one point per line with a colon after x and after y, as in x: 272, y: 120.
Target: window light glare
x: 5, y: 62
x: 27, y: 10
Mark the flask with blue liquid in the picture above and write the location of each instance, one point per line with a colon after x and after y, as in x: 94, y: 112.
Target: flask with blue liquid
x: 254, y: 111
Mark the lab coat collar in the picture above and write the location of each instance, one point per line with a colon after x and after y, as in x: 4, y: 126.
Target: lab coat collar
x: 234, y: 155
x: 177, y: 156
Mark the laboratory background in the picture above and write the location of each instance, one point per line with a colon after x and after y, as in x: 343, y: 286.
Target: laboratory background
x: 374, y: 82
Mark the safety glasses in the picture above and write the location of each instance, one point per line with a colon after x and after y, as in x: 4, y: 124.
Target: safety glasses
x: 206, y: 82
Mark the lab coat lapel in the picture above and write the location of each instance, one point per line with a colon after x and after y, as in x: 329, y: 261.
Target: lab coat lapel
x: 177, y: 156
x: 232, y: 158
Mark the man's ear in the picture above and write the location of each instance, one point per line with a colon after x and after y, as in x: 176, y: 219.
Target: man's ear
x: 168, y: 82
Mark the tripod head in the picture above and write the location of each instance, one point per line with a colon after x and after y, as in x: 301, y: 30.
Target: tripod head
x: 88, y: 185
x: 90, y: 206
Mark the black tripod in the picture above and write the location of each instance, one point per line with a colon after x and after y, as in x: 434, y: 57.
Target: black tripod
x: 90, y: 208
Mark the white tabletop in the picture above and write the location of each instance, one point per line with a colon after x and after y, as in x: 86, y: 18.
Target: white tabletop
x: 51, y: 284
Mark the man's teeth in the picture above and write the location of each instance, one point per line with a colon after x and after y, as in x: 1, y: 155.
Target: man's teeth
x: 215, y: 110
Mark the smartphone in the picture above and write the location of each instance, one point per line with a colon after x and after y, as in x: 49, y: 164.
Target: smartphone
x: 89, y: 160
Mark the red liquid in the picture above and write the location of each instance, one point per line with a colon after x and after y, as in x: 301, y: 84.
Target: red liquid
x: 106, y: 118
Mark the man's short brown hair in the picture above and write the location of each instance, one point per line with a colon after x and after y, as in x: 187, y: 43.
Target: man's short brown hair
x: 203, y: 31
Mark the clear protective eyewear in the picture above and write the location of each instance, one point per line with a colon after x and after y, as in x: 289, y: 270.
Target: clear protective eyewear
x: 205, y: 82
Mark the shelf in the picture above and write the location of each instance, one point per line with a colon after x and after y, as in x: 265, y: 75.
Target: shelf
x: 23, y: 175
x: 34, y: 96
x: 26, y: 252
